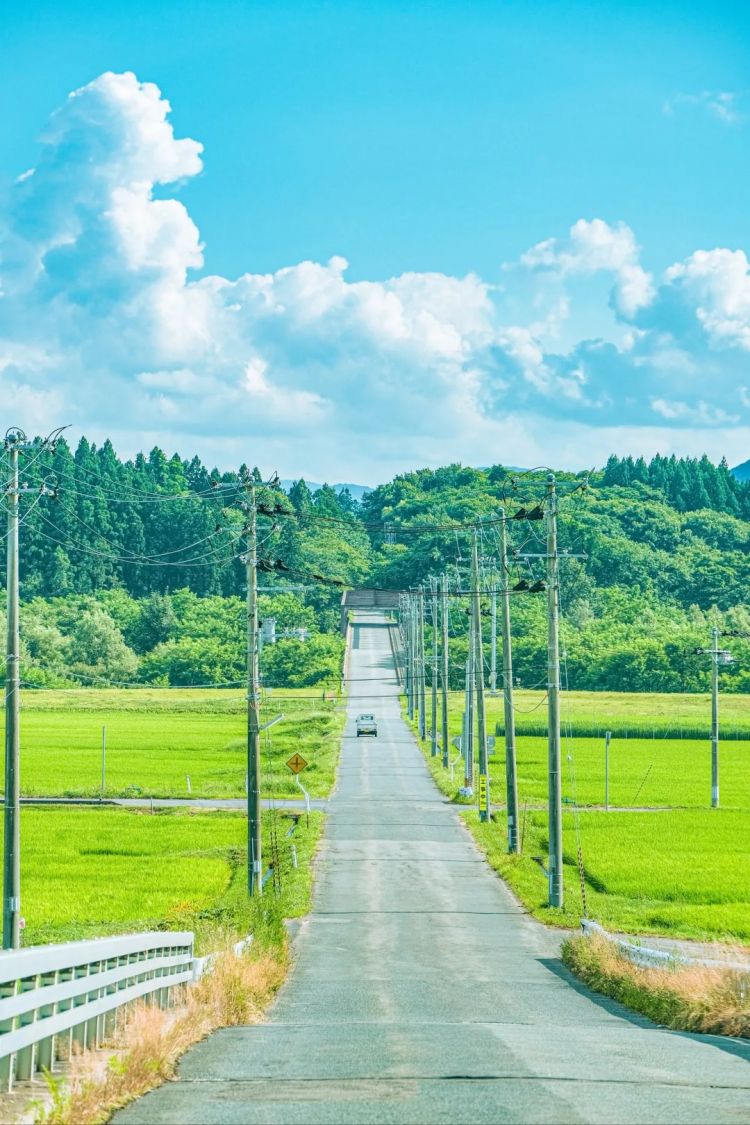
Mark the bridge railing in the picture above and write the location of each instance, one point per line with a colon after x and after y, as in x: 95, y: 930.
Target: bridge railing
x: 55, y: 996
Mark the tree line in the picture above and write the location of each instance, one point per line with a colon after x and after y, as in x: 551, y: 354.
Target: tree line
x: 133, y: 574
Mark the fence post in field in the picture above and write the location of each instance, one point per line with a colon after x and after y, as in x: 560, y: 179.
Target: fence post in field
x: 607, y: 740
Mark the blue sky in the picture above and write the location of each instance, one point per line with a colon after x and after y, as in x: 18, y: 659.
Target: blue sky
x: 419, y: 142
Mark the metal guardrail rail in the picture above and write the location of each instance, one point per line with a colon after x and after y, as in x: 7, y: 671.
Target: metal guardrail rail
x: 55, y: 996
x: 658, y: 958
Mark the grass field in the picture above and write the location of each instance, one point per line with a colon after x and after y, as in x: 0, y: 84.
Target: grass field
x: 157, y: 738
x: 680, y: 870
x: 682, y: 873
x: 616, y: 711
x: 646, y: 772
x: 90, y: 871
x: 643, y: 771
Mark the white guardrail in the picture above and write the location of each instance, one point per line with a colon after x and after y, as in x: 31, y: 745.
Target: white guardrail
x: 55, y: 996
x: 658, y: 958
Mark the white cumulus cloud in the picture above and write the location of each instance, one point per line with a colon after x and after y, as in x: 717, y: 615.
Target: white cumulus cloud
x: 596, y: 247
x: 107, y: 321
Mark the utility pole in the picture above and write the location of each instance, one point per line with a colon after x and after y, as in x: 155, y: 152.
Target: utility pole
x: 415, y: 654
x: 14, y: 441
x: 484, y: 770
x: 511, y: 782
x: 414, y: 657
x: 715, y: 718
x: 434, y: 677
x: 718, y: 656
x: 444, y: 700
x: 404, y: 628
x: 254, y: 834
x: 493, y: 638
x: 467, y: 740
x: 553, y: 702
x: 421, y: 665
x: 409, y: 634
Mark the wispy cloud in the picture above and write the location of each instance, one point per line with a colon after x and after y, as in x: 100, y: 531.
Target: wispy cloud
x: 724, y: 105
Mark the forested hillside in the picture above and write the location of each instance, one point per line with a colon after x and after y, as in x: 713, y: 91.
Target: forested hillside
x: 132, y: 571
x: 658, y: 570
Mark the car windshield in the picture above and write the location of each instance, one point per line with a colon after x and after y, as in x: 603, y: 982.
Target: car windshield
x: 366, y: 716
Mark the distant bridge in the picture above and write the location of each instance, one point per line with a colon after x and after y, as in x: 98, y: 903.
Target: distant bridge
x: 367, y: 598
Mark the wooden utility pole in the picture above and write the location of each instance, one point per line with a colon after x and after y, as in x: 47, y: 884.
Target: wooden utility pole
x: 556, y: 894
x: 511, y: 782
x: 254, y: 825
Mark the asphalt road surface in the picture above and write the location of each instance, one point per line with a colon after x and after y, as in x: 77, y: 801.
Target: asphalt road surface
x: 421, y: 992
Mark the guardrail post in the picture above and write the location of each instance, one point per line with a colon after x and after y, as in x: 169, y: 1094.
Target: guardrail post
x: 79, y: 1032
x: 8, y: 1063
x: 97, y: 1032
x: 26, y: 1057
x: 45, y: 1054
x: 65, y: 1041
x: 110, y: 1017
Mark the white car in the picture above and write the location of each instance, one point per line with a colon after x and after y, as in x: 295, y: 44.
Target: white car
x: 366, y: 724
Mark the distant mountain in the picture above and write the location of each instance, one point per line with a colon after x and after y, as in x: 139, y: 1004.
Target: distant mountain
x: 357, y: 490
x: 742, y: 472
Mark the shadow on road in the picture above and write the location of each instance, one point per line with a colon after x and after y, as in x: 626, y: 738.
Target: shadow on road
x: 738, y: 1047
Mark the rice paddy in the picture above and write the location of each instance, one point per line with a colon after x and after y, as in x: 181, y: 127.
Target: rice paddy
x: 660, y: 860
x: 93, y: 871
x: 165, y: 743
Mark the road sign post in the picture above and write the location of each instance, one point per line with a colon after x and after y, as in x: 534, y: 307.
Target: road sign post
x: 296, y: 764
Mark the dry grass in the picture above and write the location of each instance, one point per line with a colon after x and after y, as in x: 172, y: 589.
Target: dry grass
x: 150, y: 1042
x: 685, y: 997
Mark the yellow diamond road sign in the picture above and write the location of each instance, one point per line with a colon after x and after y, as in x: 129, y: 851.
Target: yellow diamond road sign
x: 296, y: 763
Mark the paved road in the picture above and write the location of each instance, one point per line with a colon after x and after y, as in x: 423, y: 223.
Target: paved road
x: 422, y: 993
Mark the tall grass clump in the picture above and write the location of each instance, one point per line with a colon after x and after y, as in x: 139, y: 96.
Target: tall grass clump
x: 699, y: 998
x: 151, y: 1040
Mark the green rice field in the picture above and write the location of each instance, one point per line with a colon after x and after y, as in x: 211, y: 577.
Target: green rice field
x: 158, y: 738
x: 661, y: 860
x: 644, y: 770
x: 94, y: 871
x: 682, y: 873
x: 596, y: 711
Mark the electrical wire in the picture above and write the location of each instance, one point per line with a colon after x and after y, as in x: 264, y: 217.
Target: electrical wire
x: 203, y: 560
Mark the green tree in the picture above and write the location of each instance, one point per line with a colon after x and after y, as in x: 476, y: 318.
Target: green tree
x: 96, y: 649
